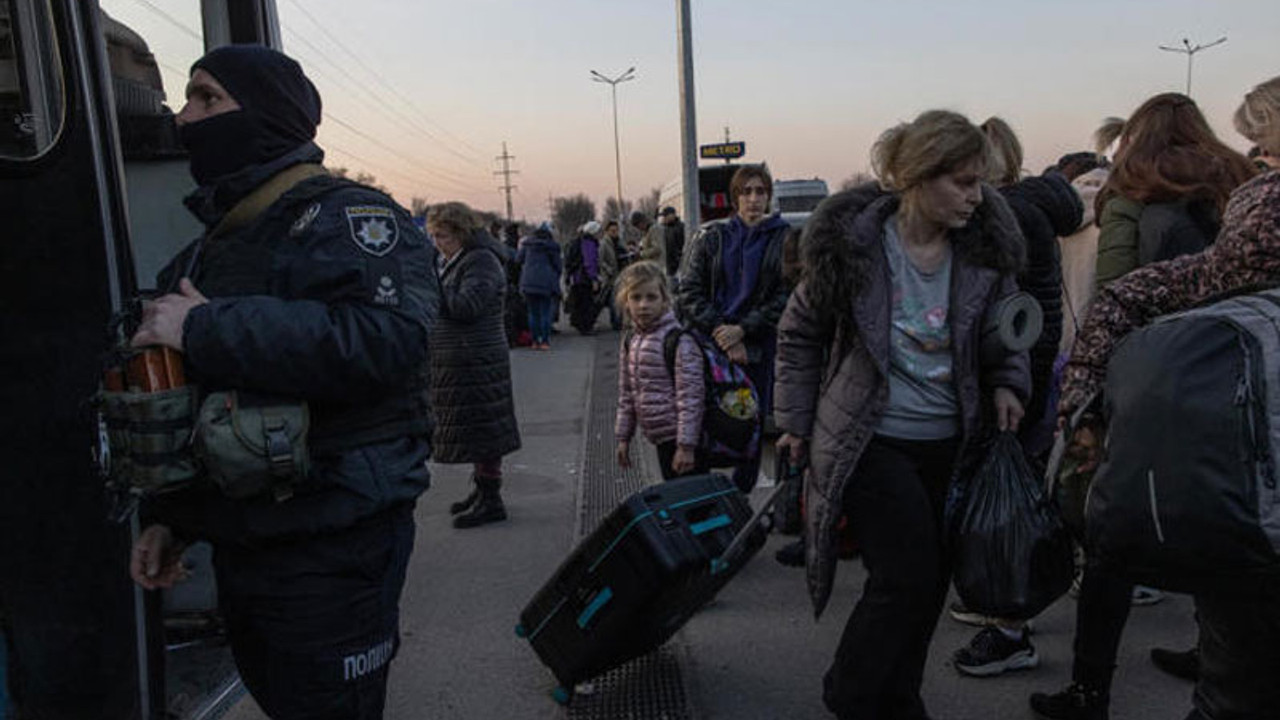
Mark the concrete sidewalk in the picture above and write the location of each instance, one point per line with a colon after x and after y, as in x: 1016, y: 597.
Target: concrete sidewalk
x: 755, y: 654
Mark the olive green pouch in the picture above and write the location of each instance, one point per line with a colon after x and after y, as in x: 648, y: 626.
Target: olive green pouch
x: 251, y: 444
x: 149, y: 436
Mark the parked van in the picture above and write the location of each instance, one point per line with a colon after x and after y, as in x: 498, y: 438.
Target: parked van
x: 796, y: 199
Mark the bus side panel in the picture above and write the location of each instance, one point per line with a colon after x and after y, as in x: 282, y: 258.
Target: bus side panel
x: 65, y: 596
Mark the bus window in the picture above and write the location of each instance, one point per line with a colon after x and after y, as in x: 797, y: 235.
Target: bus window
x: 32, y: 101
x: 146, y: 55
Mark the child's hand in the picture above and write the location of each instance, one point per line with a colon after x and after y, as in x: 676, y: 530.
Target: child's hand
x: 683, y: 460
x: 624, y: 454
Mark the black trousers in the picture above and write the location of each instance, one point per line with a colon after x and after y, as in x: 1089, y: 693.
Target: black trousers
x: 895, y: 501
x: 1239, y: 654
x: 314, y: 623
x: 1106, y: 596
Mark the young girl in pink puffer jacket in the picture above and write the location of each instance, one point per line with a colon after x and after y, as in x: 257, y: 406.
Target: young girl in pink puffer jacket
x: 667, y: 409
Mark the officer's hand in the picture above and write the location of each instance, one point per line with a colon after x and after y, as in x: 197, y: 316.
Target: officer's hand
x: 157, y: 559
x: 162, y: 319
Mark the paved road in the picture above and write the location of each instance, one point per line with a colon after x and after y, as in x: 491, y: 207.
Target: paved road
x: 755, y: 654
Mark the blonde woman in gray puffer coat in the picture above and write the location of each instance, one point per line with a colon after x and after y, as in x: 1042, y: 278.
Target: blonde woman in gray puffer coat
x: 666, y: 404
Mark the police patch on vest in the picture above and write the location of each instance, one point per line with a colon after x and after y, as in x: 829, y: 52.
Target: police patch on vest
x: 373, y: 228
x: 304, y: 220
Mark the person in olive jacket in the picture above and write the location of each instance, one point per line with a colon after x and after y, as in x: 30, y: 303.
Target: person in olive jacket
x: 882, y: 389
x: 470, y: 363
x: 732, y: 288
x: 1168, y: 188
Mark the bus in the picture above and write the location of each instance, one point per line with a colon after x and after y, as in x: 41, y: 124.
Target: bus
x: 91, y: 181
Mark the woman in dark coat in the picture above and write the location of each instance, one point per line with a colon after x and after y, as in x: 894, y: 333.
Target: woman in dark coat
x: 1046, y: 207
x: 881, y: 386
x: 540, y: 264
x: 470, y: 366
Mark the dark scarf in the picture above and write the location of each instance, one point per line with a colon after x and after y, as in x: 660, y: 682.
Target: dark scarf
x: 210, y: 203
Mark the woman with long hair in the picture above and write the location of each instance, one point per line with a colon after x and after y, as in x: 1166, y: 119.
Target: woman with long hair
x: 1239, y: 636
x: 1167, y: 189
x: 881, y: 388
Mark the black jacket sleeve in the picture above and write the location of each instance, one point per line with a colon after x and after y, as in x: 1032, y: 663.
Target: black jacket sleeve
x: 697, y: 283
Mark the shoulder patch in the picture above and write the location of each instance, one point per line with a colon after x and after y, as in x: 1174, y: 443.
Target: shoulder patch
x: 373, y: 228
x: 304, y: 220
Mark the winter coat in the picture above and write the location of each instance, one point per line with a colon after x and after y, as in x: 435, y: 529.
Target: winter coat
x: 319, y: 290
x: 673, y: 245
x: 470, y: 363
x: 704, y: 271
x: 833, y: 345
x: 665, y: 408
x: 1246, y: 254
x: 540, y: 264
x: 1134, y: 234
x: 1047, y: 208
x: 1080, y: 258
x: 653, y: 246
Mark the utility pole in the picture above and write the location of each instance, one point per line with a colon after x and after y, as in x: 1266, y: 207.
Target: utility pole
x: 613, y: 83
x: 506, y: 172
x: 688, y: 119
x: 1190, y: 51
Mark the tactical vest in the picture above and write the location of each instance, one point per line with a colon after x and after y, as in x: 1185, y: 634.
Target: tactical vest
x: 242, y: 262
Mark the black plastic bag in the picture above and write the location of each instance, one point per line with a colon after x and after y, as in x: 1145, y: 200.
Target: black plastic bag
x: 1011, y: 551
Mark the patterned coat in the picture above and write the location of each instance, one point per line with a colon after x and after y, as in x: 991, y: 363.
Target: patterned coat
x: 1245, y: 255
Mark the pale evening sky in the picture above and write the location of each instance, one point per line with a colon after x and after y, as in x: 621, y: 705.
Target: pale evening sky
x: 422, y: 94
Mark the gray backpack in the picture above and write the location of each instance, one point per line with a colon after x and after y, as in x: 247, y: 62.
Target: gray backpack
x: 1185, y: 498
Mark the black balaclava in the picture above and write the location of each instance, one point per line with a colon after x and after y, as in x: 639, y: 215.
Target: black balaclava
x: 280, y: 110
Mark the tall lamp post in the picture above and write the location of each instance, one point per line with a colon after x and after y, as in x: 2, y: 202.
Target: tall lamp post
x: 613, y: 83
x: 1190, y: 51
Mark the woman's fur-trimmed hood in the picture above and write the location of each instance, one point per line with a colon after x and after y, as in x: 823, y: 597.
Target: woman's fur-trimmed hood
x: 843, y: 232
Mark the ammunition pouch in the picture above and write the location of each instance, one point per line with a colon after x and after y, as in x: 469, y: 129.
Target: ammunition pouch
x: 149, y: 434
x: 251, y: 445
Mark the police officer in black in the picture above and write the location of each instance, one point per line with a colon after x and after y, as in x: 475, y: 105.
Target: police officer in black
x: 310, y: 289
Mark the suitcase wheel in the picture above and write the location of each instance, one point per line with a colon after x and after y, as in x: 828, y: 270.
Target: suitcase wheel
x: 521, y: 632
x: 562, y: 695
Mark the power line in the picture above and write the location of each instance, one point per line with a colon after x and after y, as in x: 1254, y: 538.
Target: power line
x: 380, y: 105
x: 388, y: 148
x: 378, y: 79
x: 506, y: 172
x: 171, y: 20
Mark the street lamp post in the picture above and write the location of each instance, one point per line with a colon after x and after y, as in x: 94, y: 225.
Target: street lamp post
x: 1190, y: 51
x: 613, y: 83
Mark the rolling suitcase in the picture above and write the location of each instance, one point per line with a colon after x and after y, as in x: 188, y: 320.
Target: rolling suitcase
x: 650, y: 565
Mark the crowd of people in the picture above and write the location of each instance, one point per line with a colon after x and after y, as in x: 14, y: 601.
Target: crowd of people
x: 861, y: 336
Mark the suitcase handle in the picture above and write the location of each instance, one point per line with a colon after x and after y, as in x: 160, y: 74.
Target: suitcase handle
x: 786, y: 474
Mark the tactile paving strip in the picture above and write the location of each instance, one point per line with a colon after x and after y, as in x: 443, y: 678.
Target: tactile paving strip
x: 650, y: 687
